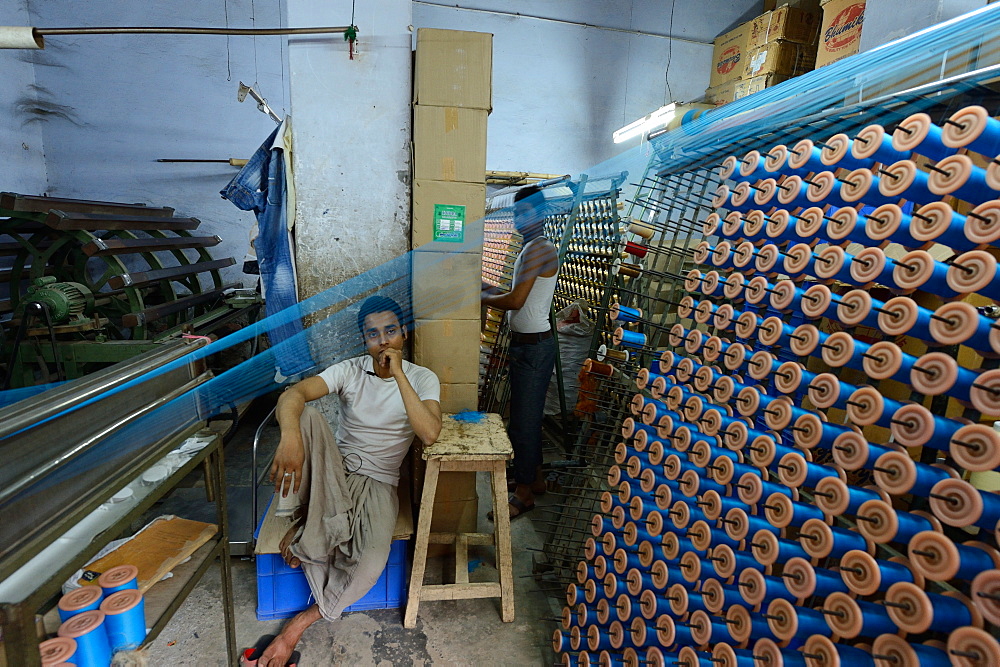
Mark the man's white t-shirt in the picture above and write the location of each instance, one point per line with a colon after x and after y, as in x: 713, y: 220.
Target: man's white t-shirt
x: 373, y: 423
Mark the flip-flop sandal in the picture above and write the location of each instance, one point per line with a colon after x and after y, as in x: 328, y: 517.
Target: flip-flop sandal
x: 540, y: 490
x: 517, y: 504
x: 252, y: 655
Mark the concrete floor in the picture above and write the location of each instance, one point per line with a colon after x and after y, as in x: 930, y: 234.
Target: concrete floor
x: 462, y: 632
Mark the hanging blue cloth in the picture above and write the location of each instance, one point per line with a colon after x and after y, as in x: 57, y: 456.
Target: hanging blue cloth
x: 260, y: 187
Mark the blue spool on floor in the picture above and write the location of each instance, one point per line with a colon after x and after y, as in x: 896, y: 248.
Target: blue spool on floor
x: 125, y: 619
x: 91, y: 636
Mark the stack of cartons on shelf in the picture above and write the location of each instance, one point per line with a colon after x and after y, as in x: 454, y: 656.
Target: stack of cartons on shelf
x: 781, y: 44
x: 452, y: 100
x: 841, y: 30
x: 728, y: 57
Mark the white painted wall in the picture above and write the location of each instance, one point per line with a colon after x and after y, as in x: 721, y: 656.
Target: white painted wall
x: 888, y: 20
x: 560, y: 90
x: 130, y: 100
x: 21, y: 113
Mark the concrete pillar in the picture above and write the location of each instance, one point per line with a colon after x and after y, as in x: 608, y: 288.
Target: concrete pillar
x: 351, y: 139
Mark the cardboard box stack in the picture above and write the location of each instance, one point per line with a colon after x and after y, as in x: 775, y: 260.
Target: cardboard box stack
x: 840, y: 35
x: 776, y: 46
x: 452, y: 96
x: 781, y: 45
x: 727, y: 64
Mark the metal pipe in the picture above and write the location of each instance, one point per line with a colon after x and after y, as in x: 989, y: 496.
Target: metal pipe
x: 563, y: 21
x: 175, y: 30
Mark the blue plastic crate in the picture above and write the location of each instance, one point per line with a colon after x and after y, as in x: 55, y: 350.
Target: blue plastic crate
x: 283, y: 591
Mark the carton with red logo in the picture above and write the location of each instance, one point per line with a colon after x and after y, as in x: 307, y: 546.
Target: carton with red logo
x: 788, y: 23
x: 840, y: 34
x: 729, y: 55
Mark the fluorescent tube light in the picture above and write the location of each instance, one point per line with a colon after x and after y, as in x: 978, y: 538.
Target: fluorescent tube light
x: 658, y: 118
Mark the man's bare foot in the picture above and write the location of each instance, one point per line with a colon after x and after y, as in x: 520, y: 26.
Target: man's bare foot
x: 277, y: 653
x: 280, y: 650
x: 286, y: 543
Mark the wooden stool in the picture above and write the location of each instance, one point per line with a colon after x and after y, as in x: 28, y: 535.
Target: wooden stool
x: 464, y: 446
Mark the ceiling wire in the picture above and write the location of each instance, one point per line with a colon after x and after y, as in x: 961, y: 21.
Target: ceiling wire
x: 281, y: 46
x: 253, y: 22
x: 670, y: 51
x: 229, y: 65
x: 628, y: 62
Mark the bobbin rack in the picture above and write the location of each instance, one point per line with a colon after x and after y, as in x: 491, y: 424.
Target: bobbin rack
x: 788, y: 448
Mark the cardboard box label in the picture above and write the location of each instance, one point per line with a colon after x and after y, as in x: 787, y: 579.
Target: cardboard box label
x: 729, y: 60
x: 428, y: 194
x: 845, y: 28
x: 449, y: 223
x: 728, y: 56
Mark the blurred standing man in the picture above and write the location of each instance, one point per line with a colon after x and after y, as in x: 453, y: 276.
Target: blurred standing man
x: 532, y: 347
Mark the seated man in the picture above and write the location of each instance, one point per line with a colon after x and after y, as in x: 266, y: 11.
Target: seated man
x: 341, y: 491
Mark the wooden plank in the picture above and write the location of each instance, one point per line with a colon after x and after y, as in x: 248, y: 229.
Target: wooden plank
x: 465, y: 465
x: 156, y: 312
x: 159, y: 598
x: 103, y: 247
x: 142, y: 278
x: 420, y: 547
x: 156, y: 550
x: 64, y: 221
x: 463, y: 440
x: 505, y: 561
x: 485, y: 589
x: 12, y: 201
x: 461, y: 559
x: 13, y: 248
x: 275, y: 527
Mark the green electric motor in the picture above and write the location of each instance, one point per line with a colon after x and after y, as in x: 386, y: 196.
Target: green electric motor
x: 68, y: 303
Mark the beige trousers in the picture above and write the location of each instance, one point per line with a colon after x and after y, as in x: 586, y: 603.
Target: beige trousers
x: 345, y: 542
